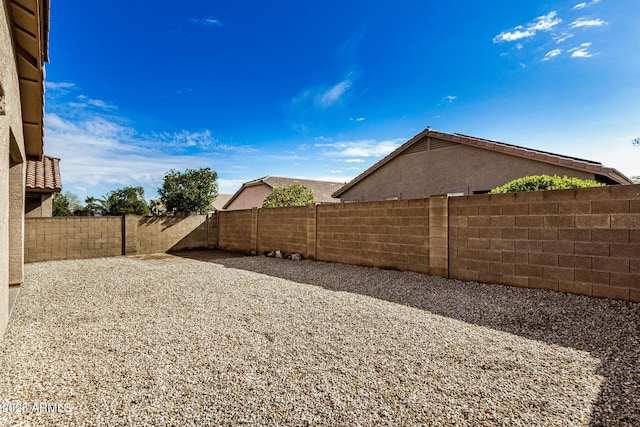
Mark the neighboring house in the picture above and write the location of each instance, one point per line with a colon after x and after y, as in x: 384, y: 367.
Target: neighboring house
x: 440, y: 163
x: 43, y: 180
x: 220, y: 201
x: 24, y: 28
x: 253, y: 193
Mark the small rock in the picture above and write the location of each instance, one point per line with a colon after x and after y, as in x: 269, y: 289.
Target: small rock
x: 296, y: 257
x: 278, y: 254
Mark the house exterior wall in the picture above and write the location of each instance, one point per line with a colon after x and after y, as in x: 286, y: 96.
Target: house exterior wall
x: 38, y: 206
x: 250, y: 197
x: 12, y: 155
x: 455, y: 169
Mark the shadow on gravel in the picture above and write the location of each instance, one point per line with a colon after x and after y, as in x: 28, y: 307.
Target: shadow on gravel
x: 608, y: 330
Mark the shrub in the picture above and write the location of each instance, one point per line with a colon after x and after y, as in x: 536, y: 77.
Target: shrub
x: 292, y: 195
x: 544, y: 182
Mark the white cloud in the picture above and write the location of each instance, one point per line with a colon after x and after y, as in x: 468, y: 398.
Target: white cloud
x: 541, y: 23
x: 354, y: 161
x: 58, y: 85
x: 552, y: 54
x: 208, y: 22
x: 333, y: 94
x: 358, y: 119
x: 585, y: 4
x: 581, y: 51
x: 99, y: 154
x: 563, y: 37
x: 230, y: 186
x: 584, y: 22
x: 450, y: 98
x: 101, y: 104
x: 361, y: 148
x: 324, y: 96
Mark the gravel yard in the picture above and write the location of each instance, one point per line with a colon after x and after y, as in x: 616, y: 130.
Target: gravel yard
x: 208, y: 340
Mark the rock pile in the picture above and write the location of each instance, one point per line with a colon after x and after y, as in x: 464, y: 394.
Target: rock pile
x: 284, y: 255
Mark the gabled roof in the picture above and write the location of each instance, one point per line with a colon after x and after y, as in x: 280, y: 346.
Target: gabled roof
x: 43, y: 176
x: 321, y: 189
x: 609, y: 175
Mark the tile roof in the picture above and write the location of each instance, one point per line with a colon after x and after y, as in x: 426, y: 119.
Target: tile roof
x: 321, y: 189
x: 43, y: 176
x: 596, y: 168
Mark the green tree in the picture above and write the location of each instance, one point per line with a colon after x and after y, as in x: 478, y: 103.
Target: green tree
x: 188, y: 192
x: 291, y: 195
x: 156, y: 207
x: 544, y: 182
x: 127, y: 200
x: 65, y: 203
x: 636, y: 142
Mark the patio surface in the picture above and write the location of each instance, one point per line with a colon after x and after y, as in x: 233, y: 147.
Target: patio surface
x: 209, y: 338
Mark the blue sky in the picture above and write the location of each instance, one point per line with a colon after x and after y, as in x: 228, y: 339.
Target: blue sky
x: 322, y: 90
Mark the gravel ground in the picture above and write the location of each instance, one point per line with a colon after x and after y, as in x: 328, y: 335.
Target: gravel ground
x: 253, y: 340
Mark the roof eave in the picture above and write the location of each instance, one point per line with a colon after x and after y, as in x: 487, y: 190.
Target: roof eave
x: 30, y: 26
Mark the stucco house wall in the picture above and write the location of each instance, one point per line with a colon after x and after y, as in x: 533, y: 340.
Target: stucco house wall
x: 38, y: 205
x: 453, y: 169
x: 12, y: 155
x: 250, y: 197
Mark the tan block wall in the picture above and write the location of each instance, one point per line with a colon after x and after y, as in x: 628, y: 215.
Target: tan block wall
x: 235, y: 230
x: 283, y: 229
x: 584, y: 241
x: 172, y: 233
x: 389, y: 234
x: 49, y: 239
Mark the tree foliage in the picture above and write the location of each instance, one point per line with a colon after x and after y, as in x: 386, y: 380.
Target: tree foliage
x: 65, y: 203
x: 636, y: 142
x: 126, y: 201
x: 61, y: 205
x: 544, y: 182
x: 188, y: 192
x: 157, y: 208
x: 292, y: 195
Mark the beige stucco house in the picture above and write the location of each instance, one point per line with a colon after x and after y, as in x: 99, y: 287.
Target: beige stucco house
x: 42, y: 182
x: 24, y: 28
x: 440, y: 163
x: 253, y: 193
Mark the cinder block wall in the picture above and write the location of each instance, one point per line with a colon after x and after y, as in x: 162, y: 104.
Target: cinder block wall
x: 584, y: 241
x: 59, y: 238
x: 235, y: 230
x: 49, y: 239
x: 388, y: 234
x: 283, y: 229
x: 175, y: 233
